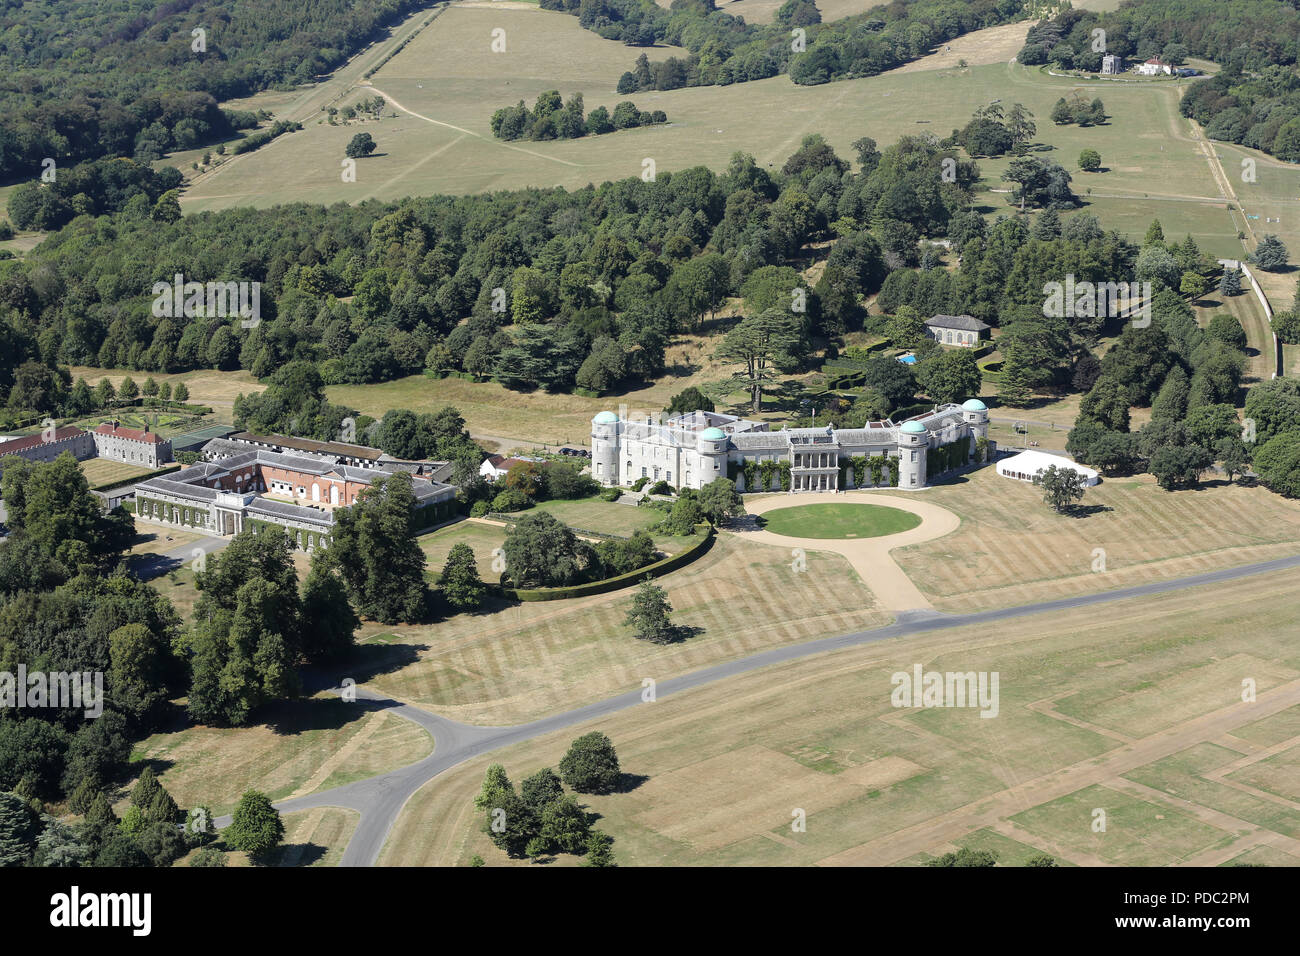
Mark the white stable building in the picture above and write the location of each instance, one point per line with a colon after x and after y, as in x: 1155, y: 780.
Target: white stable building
x: 1027, y: 464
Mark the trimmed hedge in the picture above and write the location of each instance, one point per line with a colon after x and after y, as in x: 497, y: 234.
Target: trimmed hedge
x: 670, y: 563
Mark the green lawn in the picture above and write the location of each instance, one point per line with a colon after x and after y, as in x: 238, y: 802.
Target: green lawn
x: 839, y: 521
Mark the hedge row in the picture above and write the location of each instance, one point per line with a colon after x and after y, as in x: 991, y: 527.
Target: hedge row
x: 670, y: 563
x: 513, y: 516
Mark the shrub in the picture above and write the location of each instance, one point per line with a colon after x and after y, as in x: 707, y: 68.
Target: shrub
x: 512, y: 499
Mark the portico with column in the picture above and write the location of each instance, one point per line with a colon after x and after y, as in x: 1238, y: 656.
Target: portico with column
x: 814, y: 459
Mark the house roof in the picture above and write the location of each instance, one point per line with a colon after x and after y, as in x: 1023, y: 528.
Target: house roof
x: 134, y: 434
x: 963, y: 323
x: 502, y: 463
x: 343, y: 449
x: 35, y: 441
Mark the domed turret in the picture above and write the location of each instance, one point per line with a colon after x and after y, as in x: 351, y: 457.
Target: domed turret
x: 913, y: 442
x: 712, y: 446
x: 976, y: 414
x: 604, y: 448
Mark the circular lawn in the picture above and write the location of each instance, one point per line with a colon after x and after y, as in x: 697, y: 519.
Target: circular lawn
x: 839, y: 521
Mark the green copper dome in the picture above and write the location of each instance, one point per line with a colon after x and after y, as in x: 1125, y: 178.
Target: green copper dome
x: 605, y: 418
x: 913, y: 428
x: 713, y: 434
x: 974, y: 405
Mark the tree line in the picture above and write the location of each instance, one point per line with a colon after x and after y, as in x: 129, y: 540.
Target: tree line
x: 724, y: 49
x: 551, y: 119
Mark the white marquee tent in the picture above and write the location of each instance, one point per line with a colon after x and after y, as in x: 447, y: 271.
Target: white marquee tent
x: 1025, y: 465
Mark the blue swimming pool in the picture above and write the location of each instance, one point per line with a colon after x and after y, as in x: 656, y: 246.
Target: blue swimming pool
x: 908, y: 359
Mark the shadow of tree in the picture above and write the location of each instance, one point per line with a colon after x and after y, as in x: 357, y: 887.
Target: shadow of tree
x: 1085, y: 511
x: 299, y: 854
x: 627, y: 782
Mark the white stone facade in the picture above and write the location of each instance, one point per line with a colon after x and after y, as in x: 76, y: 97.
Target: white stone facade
x: 690, y: 451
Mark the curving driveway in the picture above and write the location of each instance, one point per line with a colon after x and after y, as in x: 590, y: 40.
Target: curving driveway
x: 869, y: 557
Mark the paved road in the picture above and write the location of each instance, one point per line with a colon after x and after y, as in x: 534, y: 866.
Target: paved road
x: 380, y: 799
x: 148, y: 566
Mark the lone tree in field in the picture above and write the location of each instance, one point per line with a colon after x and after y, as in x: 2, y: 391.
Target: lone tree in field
x: 363, y: 144
x: 1090, y: 160
x: 459, y: 582
x: 591, y: 765
x: 1062, y: 487
x: 763, y: 344
x: 256, y: 827
x: 649, y: 614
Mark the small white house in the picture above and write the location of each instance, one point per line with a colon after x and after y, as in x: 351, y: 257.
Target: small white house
x: 965, y: 331
x: 495, y: 466
x: 1027, y: 464
x: 1154, y: 67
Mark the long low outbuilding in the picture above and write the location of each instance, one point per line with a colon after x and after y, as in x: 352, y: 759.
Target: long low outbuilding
x: 1027, y: 464
x: 296, y: 492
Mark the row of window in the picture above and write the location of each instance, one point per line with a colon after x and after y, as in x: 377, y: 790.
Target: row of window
x: 949, y: 337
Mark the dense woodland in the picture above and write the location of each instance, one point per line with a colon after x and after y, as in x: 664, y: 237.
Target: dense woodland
x: 85, y: 80
x: 69, y: 604
x: 1254, y: 101
x: 538, y: 288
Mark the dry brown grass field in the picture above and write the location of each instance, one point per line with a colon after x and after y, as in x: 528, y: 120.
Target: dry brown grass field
x: 297, y: 748
x: 1013, y: 549
x: 1134, y: 708
x: 206, y: 386
x: 492, y: 410
x: 311, y: 838
x: 520, y: 662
